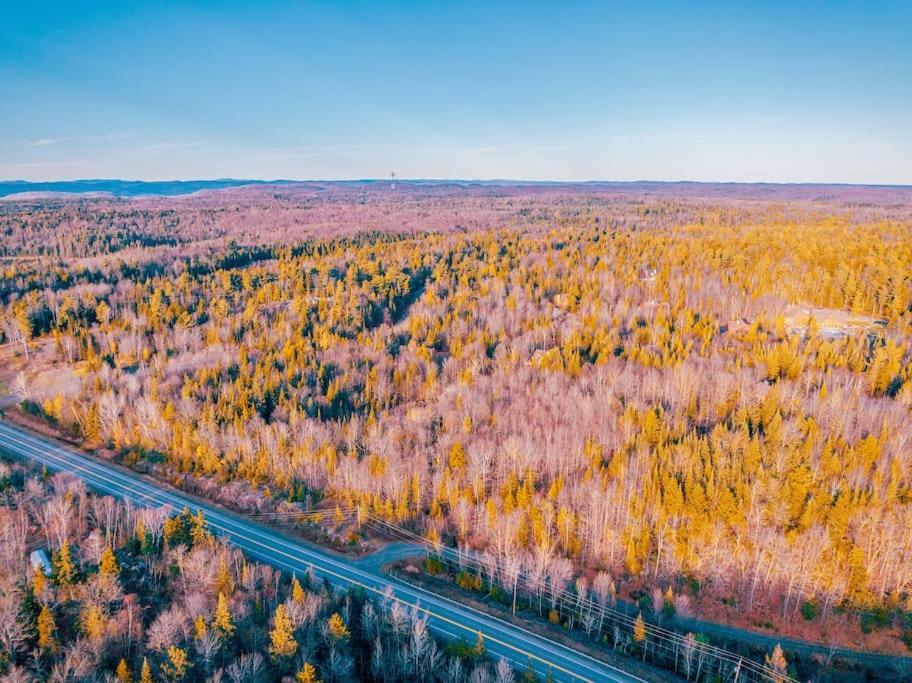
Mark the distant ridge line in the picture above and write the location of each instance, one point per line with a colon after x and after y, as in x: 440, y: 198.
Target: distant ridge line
x: 117, y: 188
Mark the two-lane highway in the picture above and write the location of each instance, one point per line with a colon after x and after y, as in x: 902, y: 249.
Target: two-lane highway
x: 447, y: 618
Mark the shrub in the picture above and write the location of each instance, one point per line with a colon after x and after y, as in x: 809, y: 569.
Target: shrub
x: 875, y: 619
x: 468, y: 581
x: 433, y: 566
x: 810, y: 610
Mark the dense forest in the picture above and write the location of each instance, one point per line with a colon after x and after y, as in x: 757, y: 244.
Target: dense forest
x: 651, y: 391
x: 148, y: 595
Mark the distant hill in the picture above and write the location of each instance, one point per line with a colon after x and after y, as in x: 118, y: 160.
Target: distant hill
x: 124, y: 188
x: 879, y: 194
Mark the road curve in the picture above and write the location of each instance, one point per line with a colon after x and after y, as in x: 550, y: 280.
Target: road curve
x: 447, y: 618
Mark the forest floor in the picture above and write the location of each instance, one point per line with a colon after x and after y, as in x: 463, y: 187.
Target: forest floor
x: 831, y: 322
x: 44, y: 378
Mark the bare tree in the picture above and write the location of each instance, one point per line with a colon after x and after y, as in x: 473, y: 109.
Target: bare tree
x: 503, y: 672
x: 13, y: 630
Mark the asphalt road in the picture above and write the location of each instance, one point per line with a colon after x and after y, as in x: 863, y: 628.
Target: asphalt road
x: 447, y: 618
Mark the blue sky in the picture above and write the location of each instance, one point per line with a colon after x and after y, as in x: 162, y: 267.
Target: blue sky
x: 791, y: 91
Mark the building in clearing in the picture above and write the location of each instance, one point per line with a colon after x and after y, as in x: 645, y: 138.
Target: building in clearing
x: 40, y: 559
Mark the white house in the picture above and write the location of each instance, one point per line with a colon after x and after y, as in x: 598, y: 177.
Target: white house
x: 38, y: 559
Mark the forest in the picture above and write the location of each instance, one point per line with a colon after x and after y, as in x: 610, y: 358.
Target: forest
x: 709, y: 397
x: 149, y: 595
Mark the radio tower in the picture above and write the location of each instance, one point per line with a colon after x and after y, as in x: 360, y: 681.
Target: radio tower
x: 392, y: 180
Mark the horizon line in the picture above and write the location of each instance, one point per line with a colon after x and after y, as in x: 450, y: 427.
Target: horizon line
x: 499, y: 181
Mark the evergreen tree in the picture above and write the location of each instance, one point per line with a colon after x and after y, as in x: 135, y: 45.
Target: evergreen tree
x: 337, y: 627
x: 94, y: 622
x: 46, y: 628
x: 108, y: 566
x: 297, y: 592
x: 64, y: 568
x: 123, y: 672
x: 282, y: 640
x: 639, y: 629
x: 177, y: 664
x: 307, y: 674
x: 222, y: 621
x: 145, y: 675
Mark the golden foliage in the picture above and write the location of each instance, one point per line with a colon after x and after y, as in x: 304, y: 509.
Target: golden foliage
x: 281, y: 638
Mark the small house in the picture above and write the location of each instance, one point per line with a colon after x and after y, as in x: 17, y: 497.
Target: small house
x: 40, y: 559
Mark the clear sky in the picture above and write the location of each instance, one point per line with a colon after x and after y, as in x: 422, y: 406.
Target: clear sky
x: 790, y: 91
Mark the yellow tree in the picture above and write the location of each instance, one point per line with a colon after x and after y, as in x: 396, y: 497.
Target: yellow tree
x: 46, y: 628
x: 222, y: 622
x: 337, y: 627
x: 23, y: 328
x: 639, y: 633
x: 145, y: 675
x: 479, y: 648
x: 38, y: 581
x: 307, y: 674
x: 199, y: 534
x: 297, y: 591
x: 776, y: 661
x: 108, y: 566
x: 639, y: 629
x: 223, y: 581
x: 282, y: 640
x: 64, y: 568
x: 199, y: 627
x: 177, y: 665
x: 94, y: 623
x: 142, y: 537
x: 123, y: 672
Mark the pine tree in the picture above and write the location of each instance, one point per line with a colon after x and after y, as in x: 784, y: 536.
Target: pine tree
x: 38, y: 581
x: 94, y: 623
x: 177, y: 665
x: 123, y: 672
x: 222, y: 622
x: 144, y: 540
x: 145, y: 675
x: 639, y: 629
x: 479, y: 648
x: 297, y: 591
x: 307, y: 674
x: 199, y: 534
x: 46, y: 628
x: 337, y: 627
x: 64, y: 568
x: 668, y: 602
x: 223, y: 581
x: 108, y: 566
x: 199, y: 627
x: 175, y: 531
x: 282, y: 640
